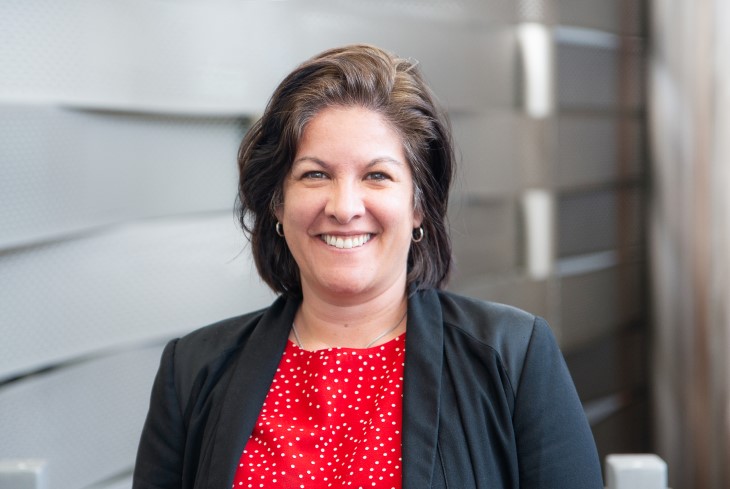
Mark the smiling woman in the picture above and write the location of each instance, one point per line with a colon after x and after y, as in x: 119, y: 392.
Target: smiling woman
x: 363, y: 373
x: 349, y: 184
x: 353, y: 77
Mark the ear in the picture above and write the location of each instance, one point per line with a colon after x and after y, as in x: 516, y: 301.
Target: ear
x: 277, y: 206
x: 417, y: 218
x: 417, y: 207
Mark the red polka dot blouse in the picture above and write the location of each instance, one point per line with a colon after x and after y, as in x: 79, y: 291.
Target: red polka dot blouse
x: 332, y: 418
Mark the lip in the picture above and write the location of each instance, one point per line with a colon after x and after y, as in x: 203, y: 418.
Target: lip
x: 345, y: 241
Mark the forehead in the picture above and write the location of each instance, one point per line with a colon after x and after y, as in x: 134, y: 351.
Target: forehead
x: 354, y: 130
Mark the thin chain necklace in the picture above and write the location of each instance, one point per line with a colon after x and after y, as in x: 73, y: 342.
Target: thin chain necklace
x: 380, y: 336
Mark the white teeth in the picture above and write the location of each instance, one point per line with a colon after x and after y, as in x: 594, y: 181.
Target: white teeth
x: 347, y: 242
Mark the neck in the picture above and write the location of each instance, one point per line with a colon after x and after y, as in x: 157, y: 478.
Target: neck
x: 353, y: 324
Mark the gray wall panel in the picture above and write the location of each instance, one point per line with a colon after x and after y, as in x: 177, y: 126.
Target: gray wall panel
x: 598, y: 304
x: 595, y: 71
x: 488, y: 153
x: 64, y: 171
x: 590, y: 221
x: 191, y: 57
x: 84, y: 420
x: 531, y: 295
x: 117, y: 483
x: 617, y: 16
x: 626, y: 431
x: 485, y: 237
x: 623, y: 360
x: 594, y: 149
x: 133, y: 283
x: 478, y: 11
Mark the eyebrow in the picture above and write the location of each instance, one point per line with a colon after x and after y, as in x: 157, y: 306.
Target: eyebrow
x: 373, y: 162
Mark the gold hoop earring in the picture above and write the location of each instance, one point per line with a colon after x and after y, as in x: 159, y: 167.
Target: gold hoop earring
x: 279, y: 229
x: 417, y: 235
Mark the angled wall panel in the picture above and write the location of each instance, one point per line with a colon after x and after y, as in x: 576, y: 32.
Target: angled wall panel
x: 122, y: 286
x: 84, y: 420
x: 67, y: 171
x: 595, y: 149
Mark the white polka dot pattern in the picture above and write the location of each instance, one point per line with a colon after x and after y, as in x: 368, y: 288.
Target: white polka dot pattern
x: 331, y: 419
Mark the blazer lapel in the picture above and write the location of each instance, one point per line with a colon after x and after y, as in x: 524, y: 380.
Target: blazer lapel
x: 421, y: 388
x: 248, y: 385
x: 256, y: 364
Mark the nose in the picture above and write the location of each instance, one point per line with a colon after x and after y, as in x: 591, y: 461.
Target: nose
x: 345, y: 202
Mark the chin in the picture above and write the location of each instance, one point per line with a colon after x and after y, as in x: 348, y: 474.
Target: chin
x: 345, y: 288
x: 338, y: 287
x: 351, y: 283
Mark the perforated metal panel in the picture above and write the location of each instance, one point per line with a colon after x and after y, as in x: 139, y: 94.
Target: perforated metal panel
x: 39, y: 45
x: 543, y: 11
x: 488, y: 153
x: 84, y: 420
x: 485, y: 238
x: 514, y: 289
x: 600, y: 303
x: 594, y: 149
x: 124, y: 285
x: 621, y: 354
x: 627, y: 17
x: 64, y: 171
x: 602, y: 219
x: 598, y: 71
x: 478, y: 11
x: 120, y: 483
x: 192, y: 57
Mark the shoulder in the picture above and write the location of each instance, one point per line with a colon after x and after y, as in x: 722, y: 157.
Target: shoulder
x: 196, y: 362
x: 509, y: 332
x: 214, y: 344
x: 495, y: 324
x: 484, y: 319
x: 220, y: 337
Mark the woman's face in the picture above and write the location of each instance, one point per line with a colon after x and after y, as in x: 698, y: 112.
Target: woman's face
x: 348, y: 209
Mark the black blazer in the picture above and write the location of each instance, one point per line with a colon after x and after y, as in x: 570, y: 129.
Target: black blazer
x: 487, y: 400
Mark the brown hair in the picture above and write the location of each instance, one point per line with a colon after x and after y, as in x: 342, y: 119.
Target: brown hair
x: 363, y: 76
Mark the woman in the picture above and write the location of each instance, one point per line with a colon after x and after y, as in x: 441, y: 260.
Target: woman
x: 363, y: 373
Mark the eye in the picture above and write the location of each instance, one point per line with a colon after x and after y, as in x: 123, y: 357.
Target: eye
x: 314, y: 175
x: 378, y: 176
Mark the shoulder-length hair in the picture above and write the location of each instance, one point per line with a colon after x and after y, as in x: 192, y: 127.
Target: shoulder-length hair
x: 363, y: 76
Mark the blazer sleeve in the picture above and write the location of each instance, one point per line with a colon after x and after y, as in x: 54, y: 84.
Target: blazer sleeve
x: 160, y: 453
x: 551, y: 429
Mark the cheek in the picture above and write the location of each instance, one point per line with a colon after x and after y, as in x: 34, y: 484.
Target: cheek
x: 300, y: 209
x: 398, y: 213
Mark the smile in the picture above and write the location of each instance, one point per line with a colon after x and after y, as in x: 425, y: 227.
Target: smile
x: 347, y: 242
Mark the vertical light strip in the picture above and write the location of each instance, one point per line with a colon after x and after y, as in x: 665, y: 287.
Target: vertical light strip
x: 539, y: 209
x: 536, y: 48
